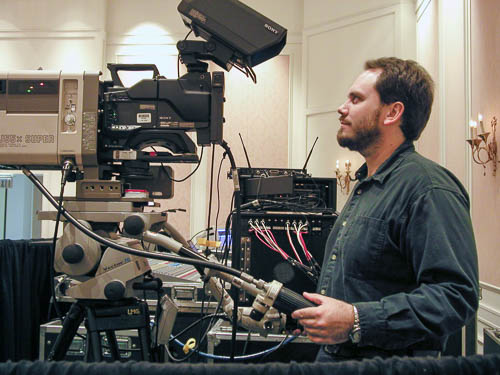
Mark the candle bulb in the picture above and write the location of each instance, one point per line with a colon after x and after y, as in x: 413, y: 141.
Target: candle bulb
x: 481, y: 126
x: 473, y: 128
x: 338, y: 164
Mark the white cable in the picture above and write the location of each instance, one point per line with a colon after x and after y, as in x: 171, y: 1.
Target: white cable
x: 268, y: 239
x: 291, y: 242
x: 271, y: 237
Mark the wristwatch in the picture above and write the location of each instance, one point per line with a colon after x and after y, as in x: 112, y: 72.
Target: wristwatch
x: 355, y: 334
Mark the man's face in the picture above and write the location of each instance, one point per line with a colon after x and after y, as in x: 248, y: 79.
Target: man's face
x: 360, y: 114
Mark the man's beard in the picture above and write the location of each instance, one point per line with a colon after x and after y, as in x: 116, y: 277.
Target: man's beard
x: 365, y: 134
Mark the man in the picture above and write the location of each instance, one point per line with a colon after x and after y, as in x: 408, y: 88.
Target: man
x: 400, y: 268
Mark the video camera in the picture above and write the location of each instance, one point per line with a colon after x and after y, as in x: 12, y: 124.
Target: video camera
x: 103, y: 128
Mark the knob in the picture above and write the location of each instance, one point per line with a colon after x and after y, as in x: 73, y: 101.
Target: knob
x: 114, y: 290
x: 73, y: 253
x: 134, y: 225
x: 70, y: 119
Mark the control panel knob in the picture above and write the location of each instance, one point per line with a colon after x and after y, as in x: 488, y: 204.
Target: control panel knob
x: 70, y: 119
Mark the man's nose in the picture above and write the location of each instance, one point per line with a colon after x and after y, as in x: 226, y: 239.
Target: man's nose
x: 342, y: 110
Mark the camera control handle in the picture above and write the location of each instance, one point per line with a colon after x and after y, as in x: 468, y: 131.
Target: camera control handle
x: 115, y: 68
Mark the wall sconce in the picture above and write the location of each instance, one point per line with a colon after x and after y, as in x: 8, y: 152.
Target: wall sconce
x: 479, y: 143
x: 344, y: 179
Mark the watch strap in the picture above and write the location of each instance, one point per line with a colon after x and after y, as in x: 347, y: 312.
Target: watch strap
x: 355, y: 334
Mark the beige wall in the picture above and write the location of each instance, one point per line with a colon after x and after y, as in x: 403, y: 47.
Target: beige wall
x: 428, y: 55
x: 485, y: 99
x: 318, y: 12
x: 32, y: 37
x: 441, y: 41
x: 466, y: 84
x: 458, y: 41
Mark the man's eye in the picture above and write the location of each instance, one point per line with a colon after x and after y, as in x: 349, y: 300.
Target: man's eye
x: 355, y: 99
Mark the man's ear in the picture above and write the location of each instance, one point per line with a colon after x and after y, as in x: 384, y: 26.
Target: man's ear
x: 394, y: 113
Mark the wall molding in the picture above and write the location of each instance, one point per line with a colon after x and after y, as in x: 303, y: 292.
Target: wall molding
x: 421, y: 8
x: 350, y: 16
x: 293, y: 51
x: 484, y: 324
x: 34, y: 30
x: 69, y: 34
x: 442, y: 81
x: 489, y: 287
x: 487, y: 323
x: 488, y: 315
x: 117, y: 39
x: 134, y: 39
x: 492, y: 310
x: 320, y: 110
x: 293, y: 38
x: 342, y: 22
x: 350, y: 20
x: 468, y: 96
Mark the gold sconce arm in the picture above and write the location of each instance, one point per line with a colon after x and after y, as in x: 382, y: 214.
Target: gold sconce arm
x: 344, y: 179
x: 480, y: 146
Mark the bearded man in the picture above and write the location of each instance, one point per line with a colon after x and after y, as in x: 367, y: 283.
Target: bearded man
x: 400, y: 271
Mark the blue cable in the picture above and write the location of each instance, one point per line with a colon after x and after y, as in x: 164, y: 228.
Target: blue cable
x: 242, y: 357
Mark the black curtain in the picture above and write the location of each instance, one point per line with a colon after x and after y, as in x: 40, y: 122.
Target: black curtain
x: 472, y: 365
x: 24, y: 296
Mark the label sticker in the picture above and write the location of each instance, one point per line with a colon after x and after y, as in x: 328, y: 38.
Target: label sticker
x: 144, y: 118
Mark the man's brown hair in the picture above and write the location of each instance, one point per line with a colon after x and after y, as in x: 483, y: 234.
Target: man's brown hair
x: 408, y: 82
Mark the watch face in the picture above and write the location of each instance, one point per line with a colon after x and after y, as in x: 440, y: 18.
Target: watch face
x: 355, y: 335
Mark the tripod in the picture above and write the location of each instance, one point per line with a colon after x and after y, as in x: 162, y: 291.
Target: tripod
x: 104, y: 316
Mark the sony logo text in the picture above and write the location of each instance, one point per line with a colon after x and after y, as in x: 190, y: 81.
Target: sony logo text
x: 270, y: 28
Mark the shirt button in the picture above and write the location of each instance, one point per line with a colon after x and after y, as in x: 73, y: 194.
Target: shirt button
x: 323, y: 291
x: 344, y: 223
x: 334, y: 257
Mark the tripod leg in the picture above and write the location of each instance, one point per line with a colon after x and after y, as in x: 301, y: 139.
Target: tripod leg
x: 145, y: 332
x: 93, y: 333
x: 88, y: 347
x: 145, y: 339
x: 70, y: 327
x: 113, y: 345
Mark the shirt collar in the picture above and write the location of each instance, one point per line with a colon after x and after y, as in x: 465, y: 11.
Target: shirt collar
x: 387, y: 166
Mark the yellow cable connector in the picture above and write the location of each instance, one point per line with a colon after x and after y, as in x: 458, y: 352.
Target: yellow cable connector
x: 203, y: 242
x: 190, y: 344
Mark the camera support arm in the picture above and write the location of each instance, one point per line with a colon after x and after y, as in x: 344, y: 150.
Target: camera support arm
x: 192, y: 51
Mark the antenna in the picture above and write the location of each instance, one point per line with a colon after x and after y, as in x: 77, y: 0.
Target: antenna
x: 308, y: 156
x: 244, y: 149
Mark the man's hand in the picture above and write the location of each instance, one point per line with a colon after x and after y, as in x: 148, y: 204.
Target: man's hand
x: 328, y: 323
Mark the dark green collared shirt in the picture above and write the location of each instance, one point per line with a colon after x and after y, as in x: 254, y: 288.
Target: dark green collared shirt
x: 403, y: 252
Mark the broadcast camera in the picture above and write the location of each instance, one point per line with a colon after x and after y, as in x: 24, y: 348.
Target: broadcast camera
x: 47, y: 118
